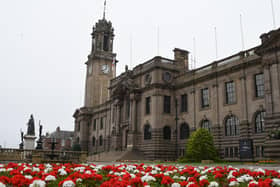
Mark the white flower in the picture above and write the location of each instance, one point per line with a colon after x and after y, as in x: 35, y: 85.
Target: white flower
x: 79, y: 180
x: 2, y: 185
x: 147, y: 186
x: 183, y: 178
x: 61, y: 171
x: 175, y: 185
x: 175, y: 177
x: 148, y: 178
x: 2, y: 170
x: 233, y: 183
x: 253, y: 182
x: 47, y: 170
x: 28, y: 176
x: 154, y: 172
x: 203, y: 177
x: 260, y: 170
x: 88, y: 172
x: 68, y: 183
x: 276, y: 182
x: 35, y: 169
x: 213, y: 184
x: 38, y: 183
x: 132, y: 176
x: 190, y: 183
x: 50, y: 178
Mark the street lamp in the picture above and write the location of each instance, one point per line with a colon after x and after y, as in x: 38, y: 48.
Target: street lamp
x: 176, y: 120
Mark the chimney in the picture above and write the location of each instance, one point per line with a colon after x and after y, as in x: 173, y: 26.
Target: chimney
x: 181, y: 57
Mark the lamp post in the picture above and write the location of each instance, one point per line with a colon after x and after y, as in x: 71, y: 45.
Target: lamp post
x: 176, y: 120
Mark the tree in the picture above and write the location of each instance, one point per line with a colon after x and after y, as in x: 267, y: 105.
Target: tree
x: 200, y: 146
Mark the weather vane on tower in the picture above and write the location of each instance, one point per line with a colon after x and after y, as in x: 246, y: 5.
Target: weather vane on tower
x: 104, y: 9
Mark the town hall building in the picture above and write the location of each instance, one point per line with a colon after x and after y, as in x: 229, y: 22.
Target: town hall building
x: 152, y: 109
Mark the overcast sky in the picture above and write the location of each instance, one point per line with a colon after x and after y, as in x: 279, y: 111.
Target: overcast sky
x: 44, y: 44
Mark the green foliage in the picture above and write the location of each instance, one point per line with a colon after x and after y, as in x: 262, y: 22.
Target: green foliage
x: 200, y: 146
x: 76, y: 147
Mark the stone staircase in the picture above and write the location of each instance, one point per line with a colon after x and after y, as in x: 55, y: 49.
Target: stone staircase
x: 116, y: 156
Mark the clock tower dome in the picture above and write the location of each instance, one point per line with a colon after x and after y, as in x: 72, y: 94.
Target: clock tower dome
x: 101, y: 64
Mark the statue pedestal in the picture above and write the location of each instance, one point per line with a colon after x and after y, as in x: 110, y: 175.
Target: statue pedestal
x: 29, y: 142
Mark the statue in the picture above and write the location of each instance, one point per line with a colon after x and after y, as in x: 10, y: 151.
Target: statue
x: 21, y: 134
x: 40, y: 142
x: 30, y: 126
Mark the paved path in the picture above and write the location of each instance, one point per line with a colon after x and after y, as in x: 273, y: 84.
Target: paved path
x: 248, y: 166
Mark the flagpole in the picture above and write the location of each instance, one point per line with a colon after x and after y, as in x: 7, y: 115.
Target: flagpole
x: 194, y: 53
x: 273, y: 14
x: 157, y: 40
x: 131, y: 51
x: 242, y: 33
x: 216, y: 42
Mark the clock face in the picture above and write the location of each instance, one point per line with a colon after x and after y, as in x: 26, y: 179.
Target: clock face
x: 105, y: 68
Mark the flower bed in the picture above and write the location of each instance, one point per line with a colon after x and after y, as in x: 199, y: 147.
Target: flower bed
x: 133, y: 175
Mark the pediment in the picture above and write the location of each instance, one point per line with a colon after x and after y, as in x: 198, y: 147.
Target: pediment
x: 270, y: 42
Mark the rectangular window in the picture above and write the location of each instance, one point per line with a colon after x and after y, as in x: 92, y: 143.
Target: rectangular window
x: 94, y: 124
x: 231, y: 152
x: 258, y: 151
x: 262, y: 151
x: 230, y: 92
x: 204, y: 97
x: 148, y: 105
x: 167, y: 104
x: 259, y: 85
x: 226, y: 152
x: 184, y: 103
x: 235, y: 151
x: 127, y: 108
x: 101, y: 123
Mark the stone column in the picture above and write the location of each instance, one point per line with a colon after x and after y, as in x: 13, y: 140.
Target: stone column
x: 84, y: 134
x: 244, y: 123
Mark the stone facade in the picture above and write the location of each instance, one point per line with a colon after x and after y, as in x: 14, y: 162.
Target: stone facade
x: 236, y: 98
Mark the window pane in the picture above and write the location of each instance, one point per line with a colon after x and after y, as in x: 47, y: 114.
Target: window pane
x: 184, y: 131
x: 167, y: 104
x: 148, y: 102
x: 184, y: 103
x: 147, y: 132
x: 259, y: 84
x: 232, y: 126
x: 166, y: 133
x: 206, y: 125
x: 204, y: 97
x: 230, y: 92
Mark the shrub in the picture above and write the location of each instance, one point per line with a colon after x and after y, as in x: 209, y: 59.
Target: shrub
x: 200, y: 146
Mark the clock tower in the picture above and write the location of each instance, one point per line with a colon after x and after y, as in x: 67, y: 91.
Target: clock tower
x: 101, y: 64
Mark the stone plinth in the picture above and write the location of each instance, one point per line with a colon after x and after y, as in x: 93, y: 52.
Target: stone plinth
x: 29, y: 142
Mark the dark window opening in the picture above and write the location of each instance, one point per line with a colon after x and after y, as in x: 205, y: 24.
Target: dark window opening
x: 100, y: 140
x: 232, y: 126
x: 167, y: 104
x: 184, y: 103
x: 147, y: 132
x: 106, y: 43
x: 148, y: 105
x: 259, y: 122
x: 184, y: 131
x: 204, y: 98
x: 206, y: 125
x: 230, y: 92
x: 93, y: 141
x: 259, y: 85
x: 94, y: 124
x: 167, y: 133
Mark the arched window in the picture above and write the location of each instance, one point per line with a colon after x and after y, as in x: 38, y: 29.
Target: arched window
x: 184, y: 131
x: 206, y: 124
x: 100, y: 140
x: 259, y: 122
x: 93, y: 141
x: 167, y: 133
x: 231, y: 126
x: 147, y: 132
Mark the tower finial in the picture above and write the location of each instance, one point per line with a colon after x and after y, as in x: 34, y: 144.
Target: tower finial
x: 104, y: 11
